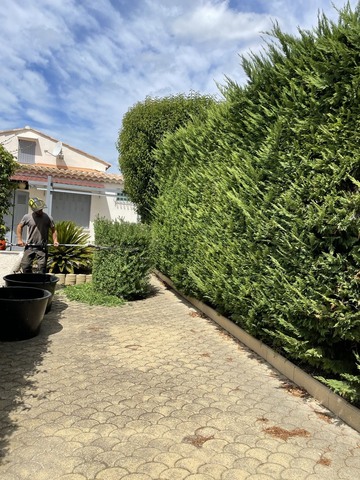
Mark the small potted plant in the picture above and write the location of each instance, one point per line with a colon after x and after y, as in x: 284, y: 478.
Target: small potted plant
x: 71, y: 261
x: 3, y: 230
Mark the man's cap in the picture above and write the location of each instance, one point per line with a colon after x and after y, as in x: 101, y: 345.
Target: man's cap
x: 36, y: 204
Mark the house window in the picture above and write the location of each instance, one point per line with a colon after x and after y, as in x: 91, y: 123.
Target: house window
x: 121, y: 196
x: 26, y: 153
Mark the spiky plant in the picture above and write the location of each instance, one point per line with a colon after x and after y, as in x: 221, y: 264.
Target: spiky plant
x: 63, y: 259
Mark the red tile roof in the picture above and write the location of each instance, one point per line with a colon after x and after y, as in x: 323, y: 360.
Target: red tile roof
x: 69, y: 176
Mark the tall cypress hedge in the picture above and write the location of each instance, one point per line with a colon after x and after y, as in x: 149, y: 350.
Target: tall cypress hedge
x: 143, y: 127
x: 259, y: 215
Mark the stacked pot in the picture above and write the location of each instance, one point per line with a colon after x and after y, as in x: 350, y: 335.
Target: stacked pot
x: 24, y: 301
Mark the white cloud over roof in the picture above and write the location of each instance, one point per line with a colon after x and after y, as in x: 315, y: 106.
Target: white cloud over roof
x: 72, y: 68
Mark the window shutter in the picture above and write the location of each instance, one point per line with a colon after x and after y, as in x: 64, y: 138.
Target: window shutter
x: 26, y: 152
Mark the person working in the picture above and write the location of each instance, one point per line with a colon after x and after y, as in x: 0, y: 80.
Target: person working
x: 39, y: 224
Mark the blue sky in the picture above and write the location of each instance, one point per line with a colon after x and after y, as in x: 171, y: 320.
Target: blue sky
x: 73, y: 68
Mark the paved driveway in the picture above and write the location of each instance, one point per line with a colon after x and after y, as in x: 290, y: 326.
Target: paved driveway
x: 152, y: 391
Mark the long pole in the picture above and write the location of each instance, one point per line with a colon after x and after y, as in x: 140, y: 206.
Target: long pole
x: 79, y: 245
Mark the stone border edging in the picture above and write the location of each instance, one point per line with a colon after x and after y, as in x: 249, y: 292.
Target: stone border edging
x: 336, y: 404
x: 68, y: 279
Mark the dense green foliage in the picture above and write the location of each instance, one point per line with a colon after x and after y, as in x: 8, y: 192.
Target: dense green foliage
x: 143, y: 126
x: 63, y: 259
x: 7, y: 169
x: 260, y: 213
x: 123, y: 270
x: 86, y: 293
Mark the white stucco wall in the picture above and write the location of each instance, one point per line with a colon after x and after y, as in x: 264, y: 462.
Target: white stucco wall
x: 45, y: 145
x: 105, y: 204
x: 111, y: 209
x: 101, y: 206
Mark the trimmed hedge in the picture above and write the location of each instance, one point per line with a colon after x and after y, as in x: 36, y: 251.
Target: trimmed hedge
x: 143, y: 127
x: 124, y: 269
x: 259, y: 215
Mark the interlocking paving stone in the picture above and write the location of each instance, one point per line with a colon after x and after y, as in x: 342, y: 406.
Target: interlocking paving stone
x: 150, y: 391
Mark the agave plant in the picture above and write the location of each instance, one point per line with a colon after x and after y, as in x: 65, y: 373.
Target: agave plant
x: 74, y: 259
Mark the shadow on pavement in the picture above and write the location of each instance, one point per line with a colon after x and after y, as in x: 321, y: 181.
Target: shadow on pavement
x: 19, y: 362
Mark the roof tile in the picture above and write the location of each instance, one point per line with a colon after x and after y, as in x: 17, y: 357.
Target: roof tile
x: 42, y: 171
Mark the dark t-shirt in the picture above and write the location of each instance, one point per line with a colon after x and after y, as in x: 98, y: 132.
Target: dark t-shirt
x: 38, y: 227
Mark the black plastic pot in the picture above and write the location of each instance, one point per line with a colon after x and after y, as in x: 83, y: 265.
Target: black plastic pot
x: 46, y: 281
x: 22, y: 311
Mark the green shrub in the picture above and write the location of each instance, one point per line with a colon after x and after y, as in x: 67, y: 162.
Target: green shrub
x: 123, y: 270
x: 8, y: 166
x: 64, y: 259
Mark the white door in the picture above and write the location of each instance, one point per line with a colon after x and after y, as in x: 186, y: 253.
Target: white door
x: 71, y: 206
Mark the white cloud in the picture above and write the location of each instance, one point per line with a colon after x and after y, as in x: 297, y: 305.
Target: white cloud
x: 39, y: 116
x: 73, y: 69
x: 215, y: 22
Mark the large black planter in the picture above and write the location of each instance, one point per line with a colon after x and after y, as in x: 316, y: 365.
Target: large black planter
x: 46, y: 281
x: 22, y: 311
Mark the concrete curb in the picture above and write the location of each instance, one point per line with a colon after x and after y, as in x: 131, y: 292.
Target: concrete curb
x: 336, y: 404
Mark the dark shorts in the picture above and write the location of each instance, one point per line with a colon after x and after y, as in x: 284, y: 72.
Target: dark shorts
x: 30, y: 255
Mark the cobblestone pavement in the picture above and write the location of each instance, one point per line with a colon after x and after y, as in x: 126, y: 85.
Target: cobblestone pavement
x: 8, y: 264
x: 155, y: 391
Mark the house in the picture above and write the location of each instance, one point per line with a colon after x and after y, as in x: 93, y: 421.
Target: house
x: 73, y: 183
